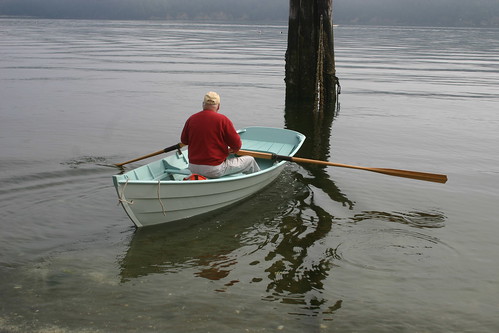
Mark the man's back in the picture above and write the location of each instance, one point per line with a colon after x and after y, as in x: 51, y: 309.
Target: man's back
x: 209, y: 134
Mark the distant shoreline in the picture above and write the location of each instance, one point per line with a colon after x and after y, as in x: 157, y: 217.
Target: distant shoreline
x: 255, y: 22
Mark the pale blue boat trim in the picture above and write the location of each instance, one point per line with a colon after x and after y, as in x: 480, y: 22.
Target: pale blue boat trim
x: 184, y: 199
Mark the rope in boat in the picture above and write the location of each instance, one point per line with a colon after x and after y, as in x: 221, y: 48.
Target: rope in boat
x: 121, y: 195
x: 319, y: 84
x: 163, y: 209
x: 338, y: 92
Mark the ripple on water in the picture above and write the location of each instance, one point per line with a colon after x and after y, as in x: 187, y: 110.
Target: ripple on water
x: 51, y: 203
x: 379, y: 247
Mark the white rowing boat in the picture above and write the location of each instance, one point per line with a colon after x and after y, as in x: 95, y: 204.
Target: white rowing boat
x: 157, y: 192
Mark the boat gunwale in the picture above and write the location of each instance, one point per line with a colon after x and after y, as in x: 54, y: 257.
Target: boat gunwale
x: 209, y: 180
x: 122, y: 179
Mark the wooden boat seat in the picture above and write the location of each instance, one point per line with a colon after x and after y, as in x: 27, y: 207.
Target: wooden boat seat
x: 171, y: 173
x: 186, y: 172
x: 278, y: 148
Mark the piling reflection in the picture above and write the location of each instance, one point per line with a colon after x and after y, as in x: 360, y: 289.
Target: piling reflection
x: 315, y: 123
x: 301, y: 260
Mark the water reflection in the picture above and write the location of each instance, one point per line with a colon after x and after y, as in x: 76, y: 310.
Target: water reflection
x: 300, y: 259
x: 284, y: 239
x: 175, y: 246
x: 289, y: 246
x: 209, y: 243
x: 314, y: 124
x: 414, y: 219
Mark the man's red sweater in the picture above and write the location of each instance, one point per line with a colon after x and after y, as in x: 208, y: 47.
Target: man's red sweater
x: 209, y: 135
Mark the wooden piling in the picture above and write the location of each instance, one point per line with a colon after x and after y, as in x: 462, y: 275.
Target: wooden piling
x: 311, y: 82
x: 310, y: 68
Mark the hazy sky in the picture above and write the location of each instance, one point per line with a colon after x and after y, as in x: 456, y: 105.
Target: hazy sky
x: 380, y: 12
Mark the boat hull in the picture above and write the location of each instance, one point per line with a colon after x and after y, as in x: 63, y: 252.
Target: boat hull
x: 149, y: 199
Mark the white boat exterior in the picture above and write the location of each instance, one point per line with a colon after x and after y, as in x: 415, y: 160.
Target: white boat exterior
x: 156, y: 193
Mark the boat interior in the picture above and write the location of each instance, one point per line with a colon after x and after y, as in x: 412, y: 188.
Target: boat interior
x: 175, y: 167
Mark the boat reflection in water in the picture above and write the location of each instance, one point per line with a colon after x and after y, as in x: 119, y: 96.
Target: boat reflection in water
x: 175, y: 246
x: 291, y: 244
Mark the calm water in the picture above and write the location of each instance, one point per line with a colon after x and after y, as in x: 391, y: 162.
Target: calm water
x: 336, y: 250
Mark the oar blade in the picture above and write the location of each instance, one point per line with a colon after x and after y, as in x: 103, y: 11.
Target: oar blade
x: 429, y: 177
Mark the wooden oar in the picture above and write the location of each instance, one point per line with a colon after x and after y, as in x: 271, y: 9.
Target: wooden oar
x: 166, y: 150
x: 431, y: 177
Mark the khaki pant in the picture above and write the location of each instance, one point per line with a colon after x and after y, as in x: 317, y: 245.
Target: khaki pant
x: 243, y: 164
